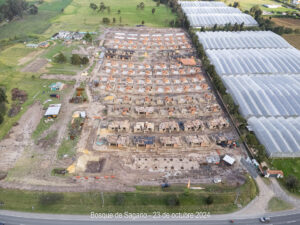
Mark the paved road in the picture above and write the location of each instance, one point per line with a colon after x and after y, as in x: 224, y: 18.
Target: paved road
x: 42, y: 219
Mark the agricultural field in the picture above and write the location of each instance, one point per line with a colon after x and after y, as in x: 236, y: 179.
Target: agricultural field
x: 293, y: 39
x: 287, y: 22
x: 248, y: 4
x: 79, y: 16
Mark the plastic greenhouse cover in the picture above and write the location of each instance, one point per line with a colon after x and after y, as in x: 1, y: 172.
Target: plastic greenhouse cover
x: 281, y: 136
x: 241, y: 40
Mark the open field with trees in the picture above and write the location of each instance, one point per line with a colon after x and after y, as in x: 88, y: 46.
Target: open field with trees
x: 248, y: 4
x: 148, y: 199
x: 32, y: 25
x: 79, y: 16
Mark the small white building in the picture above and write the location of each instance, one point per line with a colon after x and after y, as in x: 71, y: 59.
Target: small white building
x: 272, y: 6
x: 53, y: 110
x: 228, y: 159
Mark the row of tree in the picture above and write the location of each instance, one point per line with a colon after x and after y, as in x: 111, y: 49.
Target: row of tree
x: 16, y: 8
x: 75, y: 59
x: 3, y: 101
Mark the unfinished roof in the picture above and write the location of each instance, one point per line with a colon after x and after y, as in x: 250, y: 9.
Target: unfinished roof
x: 188, y: 61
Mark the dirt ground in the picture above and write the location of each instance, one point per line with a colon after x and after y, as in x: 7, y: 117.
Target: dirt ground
x: 293, y: 39
x: 29, y: 57
x: 58, y: 77
x: 19, y: 137
x: 287, y: 22
x: 35, y: 66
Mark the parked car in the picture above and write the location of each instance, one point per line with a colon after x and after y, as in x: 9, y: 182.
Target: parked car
x: 265, y: 220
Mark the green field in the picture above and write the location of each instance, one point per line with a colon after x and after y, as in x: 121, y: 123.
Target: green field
x: 34, y: 24
x: 248, y: 4
x: 288, y: 166
x: 78, y: 15
x: 144, y: 199
x: 276, y: 204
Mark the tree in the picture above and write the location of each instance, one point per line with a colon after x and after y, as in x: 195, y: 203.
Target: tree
x: 120, y: 19
x: 33, y: 10
x: 215, y: 27
x: 60, y: 58
x: 75, y: 59
x: 242, y: 26
x: 88, y: 37
x: 153, y: 10
x: 141, y: 6
x: 106, y: 20
x: 292, y: 183
x: 102, y: 7
x: 236, y: 5
x: 84, y: 60
x: 209, y: 200
x: 93, y: 6
x: 119, y: 11
x: 3, y: 101
x: 12, y: 8
x: 143, y: 22
x: 158, y: 3
x: 108, y: 9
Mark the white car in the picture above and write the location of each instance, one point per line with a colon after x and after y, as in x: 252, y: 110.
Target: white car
x: 265, y: 219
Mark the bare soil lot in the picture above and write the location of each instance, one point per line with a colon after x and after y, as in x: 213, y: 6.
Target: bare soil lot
x: 35, y: 66
x: 287, y: 22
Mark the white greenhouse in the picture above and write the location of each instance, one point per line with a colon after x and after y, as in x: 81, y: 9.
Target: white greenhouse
x: 210, y: 13
x: 255, y: 61
x: 241, y: 40
x: 265, y: 95
x: 209, y: 20
x: 201, y: 4
x: 280, y: 136
x: 211, y: 10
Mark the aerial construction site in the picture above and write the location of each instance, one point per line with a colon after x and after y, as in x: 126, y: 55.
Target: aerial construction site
x: 154, y: 117
x: 145, y: 115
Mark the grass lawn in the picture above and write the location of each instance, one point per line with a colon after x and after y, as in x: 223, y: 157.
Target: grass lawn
x: 79, y: 16
x: 276, y: 204
x: 144, y: 199
x: 248, y: 4
x: 64, y: 68
x: 67, y: 147
x: 293, y: 39
x: 34, y: 24
x: 289, y: 167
